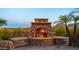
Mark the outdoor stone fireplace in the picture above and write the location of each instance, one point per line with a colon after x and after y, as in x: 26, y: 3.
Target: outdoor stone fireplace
x: 41, y: 28
x: 41, y: 32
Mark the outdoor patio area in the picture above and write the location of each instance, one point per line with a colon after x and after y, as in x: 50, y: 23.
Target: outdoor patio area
x: 23, y: 43
x: 46, y: 48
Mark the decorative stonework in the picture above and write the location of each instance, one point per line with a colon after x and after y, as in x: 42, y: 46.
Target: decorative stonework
x: 5, y: 44
x: 20, y: 41
x: 41, y: 27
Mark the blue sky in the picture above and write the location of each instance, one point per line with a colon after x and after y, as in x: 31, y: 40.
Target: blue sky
x: 22, y: 17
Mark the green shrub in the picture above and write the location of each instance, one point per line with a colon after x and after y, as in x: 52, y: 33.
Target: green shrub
x: 60, y: 31
x: 5, y: 34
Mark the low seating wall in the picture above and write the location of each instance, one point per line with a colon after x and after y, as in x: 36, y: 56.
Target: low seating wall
x: 5, y: 44
x: 41, y: 42
x: 16, y: 42
x: 22, y: 42
x: 13, y: 43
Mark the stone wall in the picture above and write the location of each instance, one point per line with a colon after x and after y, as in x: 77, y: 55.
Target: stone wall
x: 41, y: 42
x: 61, y: 40
x: 21, y: 41
x: 13, y: 43
x: 5, y: 44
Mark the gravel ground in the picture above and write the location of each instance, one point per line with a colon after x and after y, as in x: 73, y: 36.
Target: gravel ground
x: 46, y: 48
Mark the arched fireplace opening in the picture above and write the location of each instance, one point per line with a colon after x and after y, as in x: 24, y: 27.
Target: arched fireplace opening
x: 41, y: 32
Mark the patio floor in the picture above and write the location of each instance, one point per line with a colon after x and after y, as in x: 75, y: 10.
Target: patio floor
x: 46, y: 48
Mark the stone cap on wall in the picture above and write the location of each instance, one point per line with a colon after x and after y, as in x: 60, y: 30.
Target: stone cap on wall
x: 40, y: 18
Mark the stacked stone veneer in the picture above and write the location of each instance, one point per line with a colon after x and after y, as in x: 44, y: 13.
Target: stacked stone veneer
x: 16, y: 42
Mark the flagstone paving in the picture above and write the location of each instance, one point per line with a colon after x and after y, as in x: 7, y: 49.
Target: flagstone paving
x: 46, y: 48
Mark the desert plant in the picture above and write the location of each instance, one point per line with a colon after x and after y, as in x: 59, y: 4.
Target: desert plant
x: 60, y: 31
x: 74, y: 18
x: 65, y: 20
x: 5, y: 35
